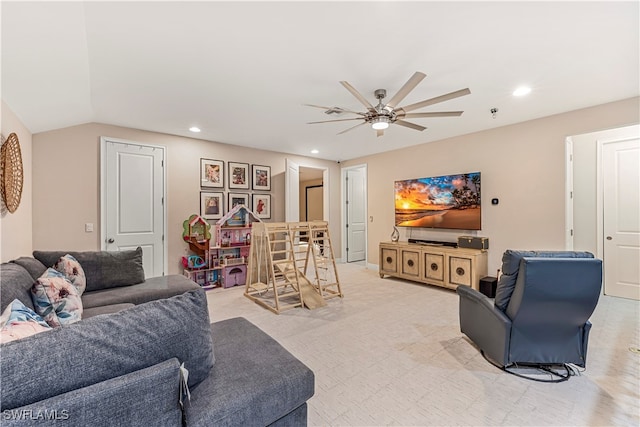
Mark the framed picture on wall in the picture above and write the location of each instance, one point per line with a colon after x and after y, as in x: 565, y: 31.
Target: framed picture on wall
x: 211, y: 173
x: 238, y: 175
x: 211, y: 204
x: 261, y: 177
x: 262, y: 205
x: 238, y: 199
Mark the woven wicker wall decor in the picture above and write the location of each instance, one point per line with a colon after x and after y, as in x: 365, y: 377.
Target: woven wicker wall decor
x: 12, y: 176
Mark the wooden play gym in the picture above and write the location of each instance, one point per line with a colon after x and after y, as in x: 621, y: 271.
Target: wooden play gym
x: 291, y: 264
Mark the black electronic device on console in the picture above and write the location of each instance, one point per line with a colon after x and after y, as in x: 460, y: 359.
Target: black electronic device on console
x: 434, y: 242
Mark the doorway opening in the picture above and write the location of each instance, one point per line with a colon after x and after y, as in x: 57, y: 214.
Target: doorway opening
x: 311, y: 205
x: 297, y: 178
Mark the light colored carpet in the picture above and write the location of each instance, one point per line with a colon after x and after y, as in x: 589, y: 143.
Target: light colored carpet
x: 391, y: 353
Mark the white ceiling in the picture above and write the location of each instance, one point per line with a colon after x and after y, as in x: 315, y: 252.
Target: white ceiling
x: 241, y: 71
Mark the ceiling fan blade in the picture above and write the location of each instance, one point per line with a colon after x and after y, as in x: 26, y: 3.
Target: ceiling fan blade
x: 380, y: 132
x: 333, y: 108
x: 409, y: 125
x: 437, y: 99
x: 433, y: 114
x: 404, y: 90
x: 355, y: 93
x: 353, y: 127
x: 336, y: 120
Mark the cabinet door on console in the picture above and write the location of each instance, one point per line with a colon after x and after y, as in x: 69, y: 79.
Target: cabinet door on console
x: 388, y: 261
x: 434, y: 266
x: 411, y: 263
x: 460, y: 271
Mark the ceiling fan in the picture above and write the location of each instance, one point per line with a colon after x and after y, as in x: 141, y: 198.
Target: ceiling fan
x: 382, y: 115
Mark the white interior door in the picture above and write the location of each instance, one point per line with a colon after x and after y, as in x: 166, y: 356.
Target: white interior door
x: 292, y: 191
x: 621, y: 204
x: 356, y: 216
x: 133, y: 191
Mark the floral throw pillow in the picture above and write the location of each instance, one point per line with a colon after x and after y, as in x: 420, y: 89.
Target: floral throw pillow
x: 72, y: 270
x: 19, y: 321
x: 56, y: 299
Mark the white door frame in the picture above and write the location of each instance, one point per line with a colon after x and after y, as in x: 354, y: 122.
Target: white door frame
x: 325, y: 187
x: 343, y: 213
x: 103, y: 205
x: 292, y: 195
x: 568, y: 211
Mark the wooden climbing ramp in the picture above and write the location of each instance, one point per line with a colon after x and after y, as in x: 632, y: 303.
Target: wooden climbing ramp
x: 291, y: 265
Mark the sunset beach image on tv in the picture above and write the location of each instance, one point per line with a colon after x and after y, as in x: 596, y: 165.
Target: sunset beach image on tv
x: 449, y: 201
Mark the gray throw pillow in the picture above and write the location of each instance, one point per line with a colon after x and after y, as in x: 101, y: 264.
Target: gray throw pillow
x: 103, y: 269
x: 16, y: 284
x: 32, y: 265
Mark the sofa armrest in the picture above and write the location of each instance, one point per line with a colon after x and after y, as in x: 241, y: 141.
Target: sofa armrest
x: 487, y: 326
x: 145, y: 397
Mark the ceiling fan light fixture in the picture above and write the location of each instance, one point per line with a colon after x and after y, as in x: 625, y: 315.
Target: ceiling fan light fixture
x: 380, y: 123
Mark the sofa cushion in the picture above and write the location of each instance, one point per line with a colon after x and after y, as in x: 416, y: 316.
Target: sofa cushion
x: 105, y: 347
x: 72, y: 271
x: 16, y: 283
x: 151, y: 289
x: 148, y: 397
x: 254, y: 382
x: 56, y: 299
x: 18, y: 321
x: 102, y: 269
x: 32, y: 265
x: 511, y: 265
x: 105, y: 309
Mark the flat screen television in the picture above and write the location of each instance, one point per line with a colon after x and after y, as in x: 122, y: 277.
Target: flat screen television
x: 449, y: 202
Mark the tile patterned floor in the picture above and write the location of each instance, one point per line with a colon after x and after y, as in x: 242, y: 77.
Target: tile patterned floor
x: 391, y: 353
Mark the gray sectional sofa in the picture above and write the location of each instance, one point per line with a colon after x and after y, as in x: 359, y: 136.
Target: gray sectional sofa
x: 120, y: 365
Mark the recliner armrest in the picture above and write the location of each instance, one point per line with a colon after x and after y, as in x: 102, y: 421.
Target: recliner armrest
x: 487, y: 326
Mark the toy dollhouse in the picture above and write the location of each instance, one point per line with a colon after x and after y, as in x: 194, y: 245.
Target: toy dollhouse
x: 196, y: 232
x: 231, y: 250
x: 222, y: 261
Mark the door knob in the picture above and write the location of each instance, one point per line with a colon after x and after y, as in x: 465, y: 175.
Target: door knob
x: 110, y: 240
x: 609, y: 238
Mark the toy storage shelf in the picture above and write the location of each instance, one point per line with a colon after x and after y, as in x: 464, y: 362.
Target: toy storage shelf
x: 208, y: 278
x: 232, y: 263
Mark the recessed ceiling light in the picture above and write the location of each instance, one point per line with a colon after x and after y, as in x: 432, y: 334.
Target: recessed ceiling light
x: 522, y: 91
x: 194, y: 129
x: 314, y: 151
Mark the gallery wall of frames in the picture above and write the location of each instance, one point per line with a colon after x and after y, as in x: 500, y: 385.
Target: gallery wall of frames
x: 224, y: 185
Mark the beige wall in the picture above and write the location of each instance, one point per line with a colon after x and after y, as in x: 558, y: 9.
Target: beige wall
x: 67, y: 183
x: 315, y: 205
x: 522, y: 165
x: 16, y: 228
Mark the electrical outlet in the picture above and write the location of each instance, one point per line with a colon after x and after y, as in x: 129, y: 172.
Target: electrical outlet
x: 88, y: 227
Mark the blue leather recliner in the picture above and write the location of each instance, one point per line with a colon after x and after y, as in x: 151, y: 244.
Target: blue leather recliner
x: 541, y: 311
